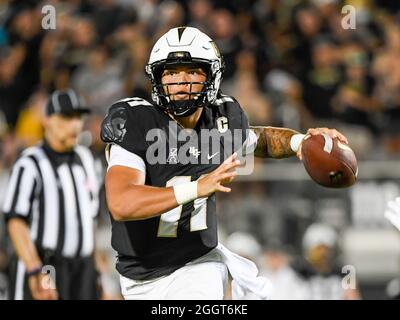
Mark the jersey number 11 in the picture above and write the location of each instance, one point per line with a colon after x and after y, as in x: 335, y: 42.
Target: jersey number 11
x: 169, y: 221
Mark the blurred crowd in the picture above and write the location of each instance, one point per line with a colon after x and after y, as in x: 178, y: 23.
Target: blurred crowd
x: 288, y: 62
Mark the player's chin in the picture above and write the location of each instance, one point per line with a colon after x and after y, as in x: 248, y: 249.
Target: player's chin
x: 181, y: 97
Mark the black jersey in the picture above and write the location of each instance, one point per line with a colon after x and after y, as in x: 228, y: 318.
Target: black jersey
x: 158, y: 246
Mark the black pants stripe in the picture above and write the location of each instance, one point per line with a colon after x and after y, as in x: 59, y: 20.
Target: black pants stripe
x: 76, y: 278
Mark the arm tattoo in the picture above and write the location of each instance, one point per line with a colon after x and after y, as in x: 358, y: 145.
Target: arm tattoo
x: 273, y: 142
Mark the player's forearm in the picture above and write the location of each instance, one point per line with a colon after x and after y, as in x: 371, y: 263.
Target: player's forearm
x: 23, y: 244
x: 273, y: 142
x: 138, y: 202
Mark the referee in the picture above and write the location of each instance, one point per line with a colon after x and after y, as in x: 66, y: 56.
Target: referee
x: 50, y: 206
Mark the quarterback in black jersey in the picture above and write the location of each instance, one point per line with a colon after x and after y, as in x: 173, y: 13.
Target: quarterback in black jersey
x: 167, y: 159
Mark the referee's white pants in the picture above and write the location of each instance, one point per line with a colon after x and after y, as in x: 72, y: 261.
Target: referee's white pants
x: 202, y: 279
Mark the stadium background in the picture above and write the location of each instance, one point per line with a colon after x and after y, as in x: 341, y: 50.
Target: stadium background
x: 288, y: 62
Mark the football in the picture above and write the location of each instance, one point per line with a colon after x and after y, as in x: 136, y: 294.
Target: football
x: 329, y: 162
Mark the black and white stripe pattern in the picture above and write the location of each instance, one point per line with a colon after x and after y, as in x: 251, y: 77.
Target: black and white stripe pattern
x: 74, y: 99
x: 59, y: 202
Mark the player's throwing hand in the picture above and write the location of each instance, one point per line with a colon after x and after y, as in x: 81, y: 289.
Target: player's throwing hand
x: 333, y: 133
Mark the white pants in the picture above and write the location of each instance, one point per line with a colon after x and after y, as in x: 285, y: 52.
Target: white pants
x: 202, y: 279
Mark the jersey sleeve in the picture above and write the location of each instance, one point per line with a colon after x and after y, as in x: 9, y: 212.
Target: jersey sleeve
x: 237, y: 119
x: 127, y: 124
x: 249, y: 137
x: 121, y: 157
x: 245, y: 120
x: 251, y: 142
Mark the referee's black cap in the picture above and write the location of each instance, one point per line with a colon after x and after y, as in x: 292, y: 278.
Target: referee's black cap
x: 66, y: 102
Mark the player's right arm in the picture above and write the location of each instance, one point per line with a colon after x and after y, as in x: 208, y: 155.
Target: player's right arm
x: 128, y: 198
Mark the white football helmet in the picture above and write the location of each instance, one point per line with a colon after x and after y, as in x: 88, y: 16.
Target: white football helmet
x: 180, y: 46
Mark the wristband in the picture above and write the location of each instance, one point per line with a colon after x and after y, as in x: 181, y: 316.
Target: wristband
x: 295, y: 141
x: 185, y: 192
x: 34, y: 272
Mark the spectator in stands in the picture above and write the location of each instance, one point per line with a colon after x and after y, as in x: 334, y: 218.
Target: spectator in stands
x: 244, y: 86
x: 98, y: 79
x: 275, y: 266
x: 199, y: 14
x: 354, y: 102
x: 321, y: 268
x: 386, y: 71
x: 323, y: 79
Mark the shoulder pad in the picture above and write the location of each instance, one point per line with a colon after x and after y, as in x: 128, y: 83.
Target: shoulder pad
x: 223, y: 99
x: 134, y: 102
x: 113, y: 128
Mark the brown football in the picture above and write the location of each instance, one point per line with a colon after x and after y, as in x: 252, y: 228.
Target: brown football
x: 329, y: 162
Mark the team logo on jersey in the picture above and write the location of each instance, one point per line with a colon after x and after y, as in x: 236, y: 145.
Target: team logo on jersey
x: 173, y: 154
x: 194, y: 152
x: 222, y: 124
x: 208, y: 146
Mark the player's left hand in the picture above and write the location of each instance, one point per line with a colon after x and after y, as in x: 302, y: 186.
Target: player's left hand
x: 333, y: 133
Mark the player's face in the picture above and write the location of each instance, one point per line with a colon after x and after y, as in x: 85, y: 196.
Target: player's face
x: 183, y: 75
x: 64, y: 130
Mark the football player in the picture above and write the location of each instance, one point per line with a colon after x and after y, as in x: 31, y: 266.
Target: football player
x: 161, y: 187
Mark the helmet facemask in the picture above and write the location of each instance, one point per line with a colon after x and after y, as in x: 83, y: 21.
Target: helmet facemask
x: 181, y: 108
x: 184, y: 108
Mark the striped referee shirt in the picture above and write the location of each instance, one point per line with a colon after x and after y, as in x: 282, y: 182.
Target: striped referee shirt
x: 57, y: 194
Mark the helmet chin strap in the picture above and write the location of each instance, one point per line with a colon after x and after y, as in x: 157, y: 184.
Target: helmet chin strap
x: 184, y: 108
